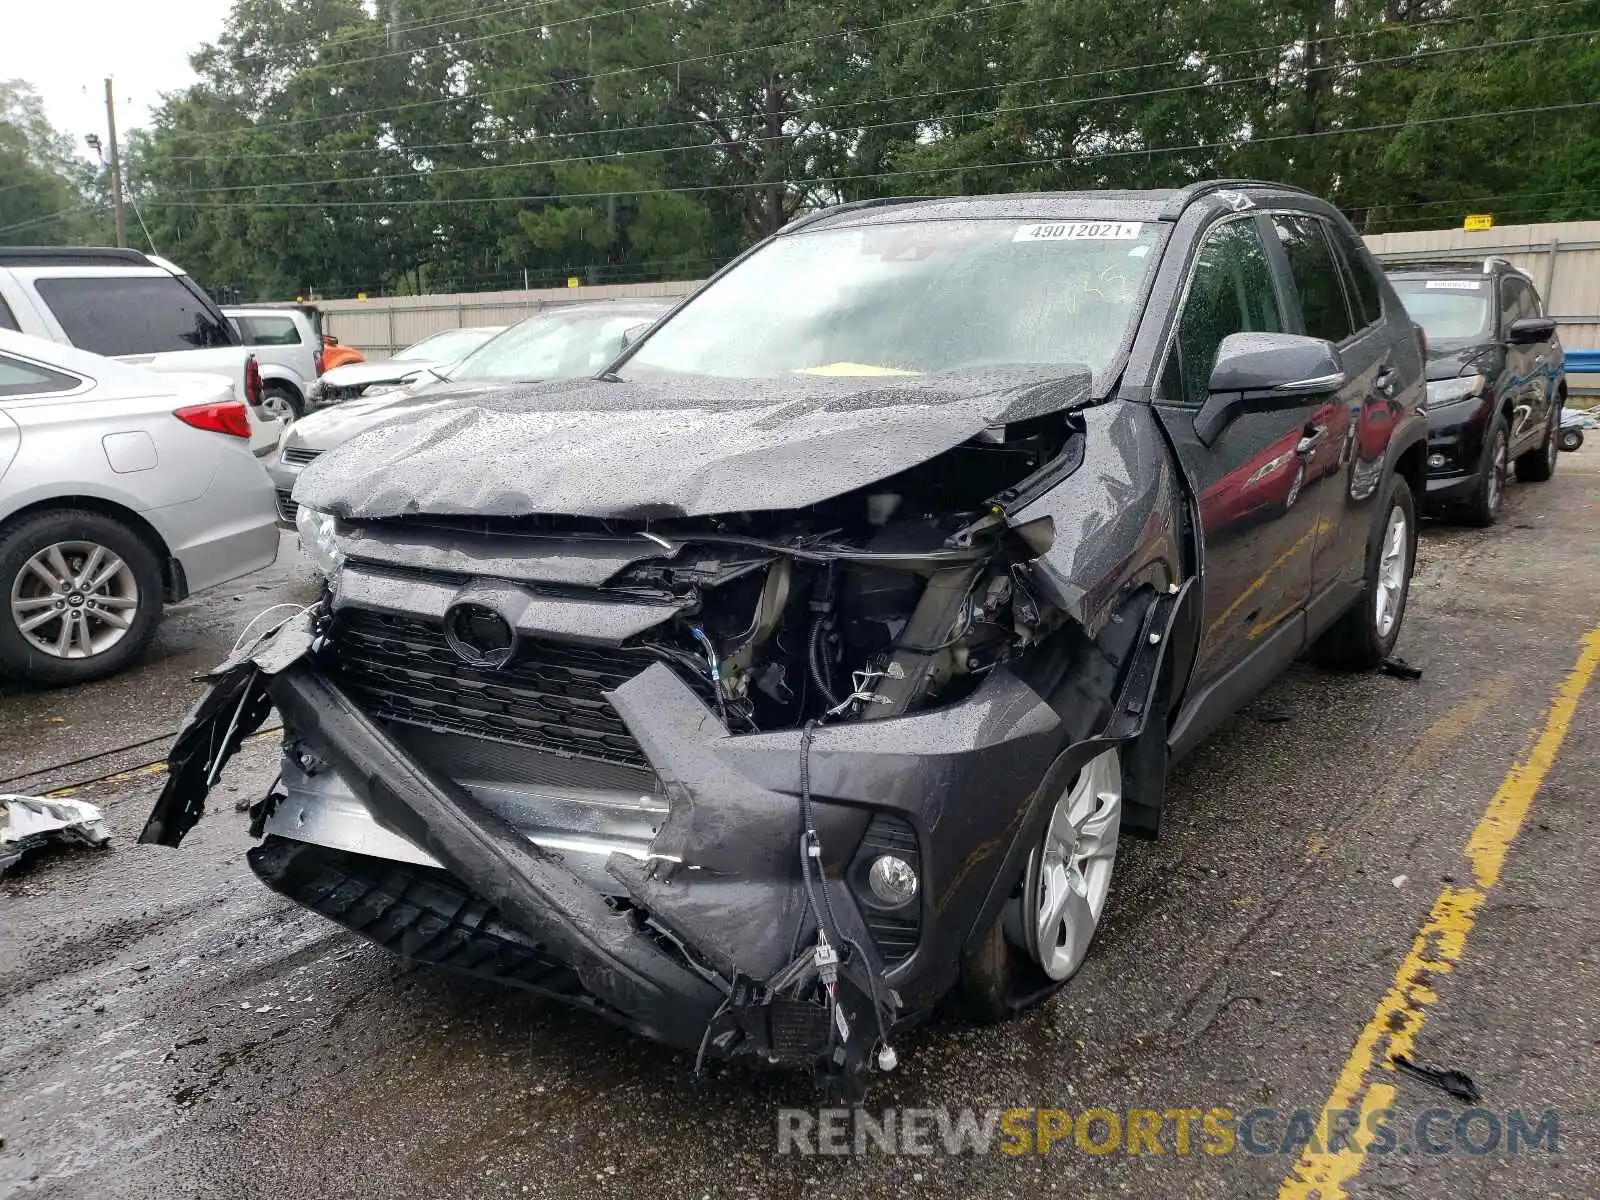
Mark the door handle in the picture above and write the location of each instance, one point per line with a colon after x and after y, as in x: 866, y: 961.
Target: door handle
x: 1311, y: 438
x: 1385, y: 383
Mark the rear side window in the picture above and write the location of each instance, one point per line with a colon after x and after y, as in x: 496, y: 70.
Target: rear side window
x: 1316, y: 277
x: 269, y: 331
x: 137, y: 314
x: 26, y: 379
x: 7, y: 319
x: 1359, y: 283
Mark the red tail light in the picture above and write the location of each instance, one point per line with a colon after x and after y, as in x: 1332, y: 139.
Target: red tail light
x: 228, y: 417
x: 252, y: 380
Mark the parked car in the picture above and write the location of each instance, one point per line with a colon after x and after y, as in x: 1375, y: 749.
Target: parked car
x: 134, y: 307
x: 287, y: 341
x: 1496, y: 381
x: 570, y: 342
x: 336, y: 354
x: 119, y: 488
x: 808, y: 664
x: 433, y: 353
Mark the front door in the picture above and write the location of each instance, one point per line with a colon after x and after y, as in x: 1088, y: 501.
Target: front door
x: 1259, y: 528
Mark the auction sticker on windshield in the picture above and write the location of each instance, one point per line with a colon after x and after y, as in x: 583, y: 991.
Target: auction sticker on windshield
x: 1454, y: 285
x: 1080, y: 231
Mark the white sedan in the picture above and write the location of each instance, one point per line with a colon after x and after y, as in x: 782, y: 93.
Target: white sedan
x: 120, y: 489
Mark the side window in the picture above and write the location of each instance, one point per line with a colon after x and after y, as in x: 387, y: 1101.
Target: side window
x: 132, y: 314
x: 1510, y: 299
x: 25, y: 379
x: 8, y: 320
x: 269, y: 331
x: 1359, y: 284
x: 1232, y: 292
x: 1316, y: 277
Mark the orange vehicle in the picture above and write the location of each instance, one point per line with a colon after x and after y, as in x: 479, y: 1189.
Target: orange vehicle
x: 335, y: 355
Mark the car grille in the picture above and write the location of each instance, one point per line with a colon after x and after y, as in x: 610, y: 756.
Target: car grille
x: 300, y: 455
x: 287, y: 508
x: 550, y: 697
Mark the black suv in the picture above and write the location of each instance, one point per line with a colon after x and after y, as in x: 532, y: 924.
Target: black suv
x: 807, y: 664
x: 1496, y: 381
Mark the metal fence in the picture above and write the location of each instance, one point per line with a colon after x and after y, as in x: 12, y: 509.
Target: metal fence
x: 1562, y: 258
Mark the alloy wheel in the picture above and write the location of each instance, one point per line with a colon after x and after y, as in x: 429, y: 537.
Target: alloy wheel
x: 74, y: 600
x: 276, y: 405
x: 1068, y: 875
x: 1390, y: 593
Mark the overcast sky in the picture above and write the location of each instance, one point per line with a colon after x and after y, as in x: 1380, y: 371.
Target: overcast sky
x: 66, y: 48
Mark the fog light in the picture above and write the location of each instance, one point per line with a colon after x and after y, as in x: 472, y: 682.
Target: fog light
x: 892, y: 880
x: 1437, y: 460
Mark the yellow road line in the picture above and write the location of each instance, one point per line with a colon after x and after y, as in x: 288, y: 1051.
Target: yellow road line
x: 1439, y: 945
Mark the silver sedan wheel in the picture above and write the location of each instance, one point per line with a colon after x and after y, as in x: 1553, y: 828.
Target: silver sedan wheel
x: 1391, y: 591
x: 74, y: 600
x: 1068, y: 875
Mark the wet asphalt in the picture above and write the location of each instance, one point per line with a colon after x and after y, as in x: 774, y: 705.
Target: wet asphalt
x: 171, y: 1028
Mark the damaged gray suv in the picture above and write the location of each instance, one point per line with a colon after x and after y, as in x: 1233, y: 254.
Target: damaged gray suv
x: 803, y: 670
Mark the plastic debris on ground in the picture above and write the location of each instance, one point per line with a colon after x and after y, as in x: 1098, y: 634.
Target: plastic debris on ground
x: 27, y: 823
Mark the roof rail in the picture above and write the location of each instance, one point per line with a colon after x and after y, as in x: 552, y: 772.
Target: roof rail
x: 1192, y: 192
x: 71, y: 256
x: 852, y: 206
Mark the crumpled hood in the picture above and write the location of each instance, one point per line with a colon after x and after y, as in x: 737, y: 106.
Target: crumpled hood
x: 330, y: 427
x: 1449, y: 362
x: 688, y: 446
x: 386, y: 370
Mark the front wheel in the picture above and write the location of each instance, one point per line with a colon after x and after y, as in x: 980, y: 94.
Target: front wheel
x: 81, y: 596
x: 1044, y: 933
x: 1365, y: 635
x: 1483, y: 509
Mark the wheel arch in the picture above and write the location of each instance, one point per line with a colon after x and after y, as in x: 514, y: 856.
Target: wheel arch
x: 172, y: 577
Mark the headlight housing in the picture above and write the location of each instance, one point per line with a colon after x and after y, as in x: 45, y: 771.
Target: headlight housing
x: 1451, y: 391
x: 283, y: 438
x: 319, y: 539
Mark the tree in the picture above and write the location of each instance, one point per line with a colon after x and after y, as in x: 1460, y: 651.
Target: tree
x: 47, y: 194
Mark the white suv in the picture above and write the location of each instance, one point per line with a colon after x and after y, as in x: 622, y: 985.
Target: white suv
x: 131, y: 306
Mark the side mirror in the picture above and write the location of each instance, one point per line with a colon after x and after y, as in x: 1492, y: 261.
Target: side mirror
x: 1261, y: 372
x: 1527, y: 331
x: 329, y: 340
x: 634, y: 332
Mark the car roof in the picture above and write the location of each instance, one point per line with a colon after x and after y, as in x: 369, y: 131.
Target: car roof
x: 83, y: 256
x: 1159, y: 204
x: 1423, y: 266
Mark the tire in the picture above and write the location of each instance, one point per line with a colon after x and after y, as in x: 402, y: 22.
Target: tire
x: 1571, y: 439
x: 1030, y: 952
x: 1360, y: 640
x: 280, y: 402
x: 97, y: 643
x: 1538, y: 464
x: 1483, y: 510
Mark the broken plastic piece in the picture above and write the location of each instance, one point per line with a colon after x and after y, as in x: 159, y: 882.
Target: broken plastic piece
x: 33, y: 821
x: 1400, y: 669
x: 1454, y: 1083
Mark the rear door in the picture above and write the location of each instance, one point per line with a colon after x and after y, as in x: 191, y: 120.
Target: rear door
x: 1527, y: 366
x: 1347, y: 438
x: 1258, y: 531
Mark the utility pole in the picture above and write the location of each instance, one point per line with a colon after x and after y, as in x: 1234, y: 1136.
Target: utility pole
x: 116, y: 166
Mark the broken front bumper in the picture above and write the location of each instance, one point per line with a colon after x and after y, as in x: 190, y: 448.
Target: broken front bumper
x: 676, y: 910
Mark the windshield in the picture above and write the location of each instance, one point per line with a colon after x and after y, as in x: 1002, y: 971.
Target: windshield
x: 553, y: 345
x: 912, y: 298
x: 446, y: 347
x: 1449, y: 310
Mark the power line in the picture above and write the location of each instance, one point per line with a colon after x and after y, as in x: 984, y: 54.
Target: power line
x: 727, y: 146
x: 677, y: 62
x: 833, y: 181
x: 1100, y: 72
x: 322, y: 43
